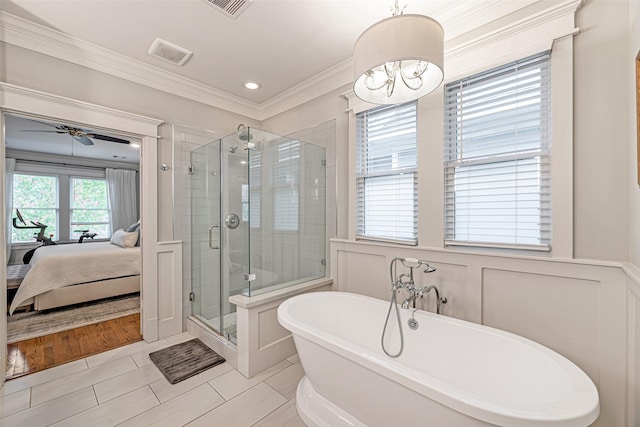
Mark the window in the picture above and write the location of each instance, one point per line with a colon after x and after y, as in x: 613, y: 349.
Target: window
x: 65, y: 198
x: 497, y: 149
x: 286, y: 177
x: 36, y: 196
x: 89, y: 207
x: 386, y: 175
x: 254, y: 188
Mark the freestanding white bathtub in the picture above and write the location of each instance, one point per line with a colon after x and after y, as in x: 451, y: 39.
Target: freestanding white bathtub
x: 451, y: 373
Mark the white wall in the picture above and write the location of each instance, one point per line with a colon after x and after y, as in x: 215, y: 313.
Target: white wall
x: 634, y: 187
x: 601, y: 84
x: 634, y: 215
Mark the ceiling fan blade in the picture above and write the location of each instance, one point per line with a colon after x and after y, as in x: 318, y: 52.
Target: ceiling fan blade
x: 108, y: 138
x: 33, y: 130
x: 46, y: 124
x: 83, y: 140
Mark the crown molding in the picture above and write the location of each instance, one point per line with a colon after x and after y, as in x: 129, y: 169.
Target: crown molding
x: 332, y: 79
x: 38, y: 38
x: 553, y: 15
x: 29, y: 35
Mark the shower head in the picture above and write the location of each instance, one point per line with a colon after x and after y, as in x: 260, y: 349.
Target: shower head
x: 243, y: 133
x: 233, y: 149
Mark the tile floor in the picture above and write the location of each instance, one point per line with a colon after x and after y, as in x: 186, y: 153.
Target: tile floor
x: 123, y: 387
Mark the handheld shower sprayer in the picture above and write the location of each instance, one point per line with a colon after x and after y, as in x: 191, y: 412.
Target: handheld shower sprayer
x: 416, y: 263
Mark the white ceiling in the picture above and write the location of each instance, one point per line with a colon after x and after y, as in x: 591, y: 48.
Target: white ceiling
x: 280, y: 43
x: 41, y: 136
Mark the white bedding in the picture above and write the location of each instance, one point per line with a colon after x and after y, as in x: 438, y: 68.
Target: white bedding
x: 63, y: 265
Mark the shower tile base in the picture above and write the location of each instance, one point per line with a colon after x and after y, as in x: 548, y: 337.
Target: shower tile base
x: 220, y: 345
x: 230, y: 326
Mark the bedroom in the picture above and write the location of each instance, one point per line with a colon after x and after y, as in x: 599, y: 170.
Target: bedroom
x: 74, y: 253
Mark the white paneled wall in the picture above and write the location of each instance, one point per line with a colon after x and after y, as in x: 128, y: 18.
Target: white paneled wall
x: 576, y: 308
x: 633, y: 310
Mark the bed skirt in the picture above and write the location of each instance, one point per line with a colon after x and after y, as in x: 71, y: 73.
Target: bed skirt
x: 84, y: 292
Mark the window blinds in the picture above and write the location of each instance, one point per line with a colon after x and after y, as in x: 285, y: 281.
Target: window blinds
x: 386, y: 176
x: 285, y: 183
x: 255, y: 188
x: 497, y: 157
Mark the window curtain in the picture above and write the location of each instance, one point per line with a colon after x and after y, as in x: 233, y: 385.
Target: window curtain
x: 121, y: 187
x: 9, y: 169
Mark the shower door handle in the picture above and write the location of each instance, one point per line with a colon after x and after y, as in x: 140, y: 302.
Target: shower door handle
x: 211, y: 237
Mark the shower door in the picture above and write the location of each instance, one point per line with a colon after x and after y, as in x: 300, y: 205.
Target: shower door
x: 219, y: 232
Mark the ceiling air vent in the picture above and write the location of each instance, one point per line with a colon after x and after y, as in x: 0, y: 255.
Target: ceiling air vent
x: 231, y: 8
x: 169, y: 52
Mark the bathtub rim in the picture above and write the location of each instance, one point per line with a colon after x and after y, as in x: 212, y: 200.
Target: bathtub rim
x: 440, y: 391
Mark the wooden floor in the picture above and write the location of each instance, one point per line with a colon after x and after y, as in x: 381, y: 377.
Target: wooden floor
x: 36, y: 354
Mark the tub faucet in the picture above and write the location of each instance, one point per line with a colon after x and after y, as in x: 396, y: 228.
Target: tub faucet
x: 421, y: 292
x: 411, y: 299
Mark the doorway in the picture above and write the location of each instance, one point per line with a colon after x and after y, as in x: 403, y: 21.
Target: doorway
x: 23, y: 101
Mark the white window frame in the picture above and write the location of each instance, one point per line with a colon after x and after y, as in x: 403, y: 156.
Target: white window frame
x: 365, y: 230
x: 475, y: 168
x: 72, y: 225
x: 57, y: 207
x: 64, y: 174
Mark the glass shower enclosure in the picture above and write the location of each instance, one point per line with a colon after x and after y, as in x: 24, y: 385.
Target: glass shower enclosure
x: 257, y: 220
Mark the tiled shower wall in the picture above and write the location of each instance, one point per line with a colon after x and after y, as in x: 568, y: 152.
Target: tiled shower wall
x: 185, y: 141
x: 324, y: 135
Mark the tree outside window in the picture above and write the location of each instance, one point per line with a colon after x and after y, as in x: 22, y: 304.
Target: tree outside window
x: 36, y: 196
x: 89, y: 207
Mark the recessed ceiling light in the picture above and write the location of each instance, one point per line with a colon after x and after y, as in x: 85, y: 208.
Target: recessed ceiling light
x: 252, y: 85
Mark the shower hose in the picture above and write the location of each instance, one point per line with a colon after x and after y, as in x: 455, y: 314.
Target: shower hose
x: 386, y: 322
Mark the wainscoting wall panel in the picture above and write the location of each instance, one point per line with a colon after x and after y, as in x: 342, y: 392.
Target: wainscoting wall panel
x: 558, y: 312
x: 169, y: 256
x: 633, y: 304
x: 578, y: 308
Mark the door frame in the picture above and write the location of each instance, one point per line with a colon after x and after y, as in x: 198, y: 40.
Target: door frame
x: 20, y: 100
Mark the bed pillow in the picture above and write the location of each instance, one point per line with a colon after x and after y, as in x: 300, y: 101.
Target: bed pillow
x: 124, y: 239
x: 133, y: 227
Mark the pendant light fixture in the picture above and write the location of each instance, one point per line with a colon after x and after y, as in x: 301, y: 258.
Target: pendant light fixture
x: 398, y: 59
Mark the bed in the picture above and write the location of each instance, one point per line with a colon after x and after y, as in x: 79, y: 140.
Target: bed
x: 72, y: 273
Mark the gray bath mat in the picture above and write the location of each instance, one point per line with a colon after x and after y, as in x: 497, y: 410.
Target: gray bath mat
x: 184, y: 360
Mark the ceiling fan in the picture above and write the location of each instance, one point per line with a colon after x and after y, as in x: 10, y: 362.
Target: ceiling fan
x: 83, y: 136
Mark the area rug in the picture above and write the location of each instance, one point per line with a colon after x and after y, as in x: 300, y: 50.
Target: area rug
x: 23, y: 326
x: 184, y: 360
